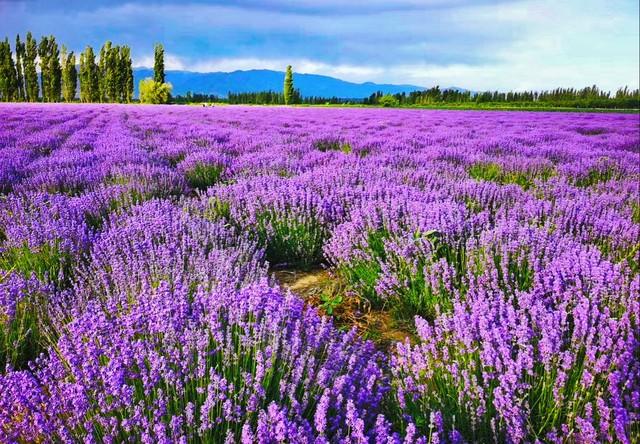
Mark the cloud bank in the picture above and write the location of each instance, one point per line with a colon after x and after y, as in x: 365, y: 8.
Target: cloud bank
x: 505, y: 45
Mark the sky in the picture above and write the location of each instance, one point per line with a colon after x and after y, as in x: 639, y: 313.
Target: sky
x: 479, y: 45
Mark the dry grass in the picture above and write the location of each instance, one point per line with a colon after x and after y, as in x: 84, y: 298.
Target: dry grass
x: 321, y: 289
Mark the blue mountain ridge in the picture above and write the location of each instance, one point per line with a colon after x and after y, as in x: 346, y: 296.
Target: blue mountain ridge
x: 254, y: 80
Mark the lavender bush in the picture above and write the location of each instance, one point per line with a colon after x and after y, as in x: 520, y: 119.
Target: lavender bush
x: 209, y: 367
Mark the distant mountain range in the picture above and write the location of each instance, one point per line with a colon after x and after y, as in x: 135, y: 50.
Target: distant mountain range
x: 221, y: 83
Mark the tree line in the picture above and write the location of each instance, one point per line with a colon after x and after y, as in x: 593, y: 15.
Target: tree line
x: 108, y: 79
x: 263, y: 98
x: 260, y: 98
x: 589, y: 97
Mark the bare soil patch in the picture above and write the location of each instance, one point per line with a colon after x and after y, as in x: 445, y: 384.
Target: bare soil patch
x: 321, y: 289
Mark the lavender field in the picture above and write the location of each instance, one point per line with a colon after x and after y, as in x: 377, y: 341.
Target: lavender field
x: 140, y: 249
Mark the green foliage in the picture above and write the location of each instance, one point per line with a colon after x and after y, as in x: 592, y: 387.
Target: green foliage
x: 30, y: 73
x: 325, y: 145
x: 204, y: 175
x: 218, y: 209
x: 388, y: 100
x: 158, y: 64
x: 20, y: 334
x: 8, y: 77
x: 635, y: 212
x: 330, y: 301
x: 111, y: 74
x: 69, y: 76
x: 597, y: 175
x: 154, y: 92
x: 114, y: 75
x: 55, y: 70
x: 362, y: 274
x: 552, y: 402
x: 493, y: 172
x: 589, y: 97
x: 20, y: 85
x: 490, y: 172
x: 261, y: 98
x: 43, y: 53
x: 291, y: 240
x: 47, y: 263
x: 288, y: 86
x: 102, y: 69
x: 191, y: 97
x: 109, y: 81
x: 116, y: 205
x: 125, y: 71
x: 89, y: 77
x: 50, y: 70
x: 294, y: 240
x: 413, y: 295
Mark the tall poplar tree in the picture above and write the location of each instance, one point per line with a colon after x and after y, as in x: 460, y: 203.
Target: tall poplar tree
x: 30, y: 73
x: 89, y: 77
x: 288, y: 86
x: 3, y: 74
x: 118, y: 90
x: 45, y: 81
x: 69, y: 76
x: 158, y: 65
x: 126, y: 74
x: 82, y: 76
x: 8, y: 82
x: 94, y: 76
x: 55, y: 70
x: 20, y: 85
x: 111, y: 73
x: 104, y: 79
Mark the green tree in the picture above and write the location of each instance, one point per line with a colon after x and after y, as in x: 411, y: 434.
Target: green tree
x: 20, y: 85
x: 154, y: 92
x: 89, y: 77
x: 45, y: 81
x: 30, y: 73
x: 8, y: 82
x: 94, y: 76
x: 158, y: 64
x: 103, y: 77
x: 55, y: 70
x: 288, y: 86
x: 126, y: 75
x: 388, y: 100
x: 82, y: 76
x: 69, y: 76
x: 112, y: 73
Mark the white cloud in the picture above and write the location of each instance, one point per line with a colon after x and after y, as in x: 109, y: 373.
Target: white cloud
x: 473, y: 44
x: 171, y: 62
x: 523, y: 72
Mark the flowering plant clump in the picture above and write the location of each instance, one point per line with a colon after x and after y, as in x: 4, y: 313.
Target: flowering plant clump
x: 21, y: 316
x: 287, y: 218
x: 535, y: 350
x: 460, y: 277
x: 203, y: 169
x: 403, y: 253
x: 210, y: 366
x: 158, y: 241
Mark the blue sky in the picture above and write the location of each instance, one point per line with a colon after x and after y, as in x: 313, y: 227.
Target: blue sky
x: 505, y: 45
